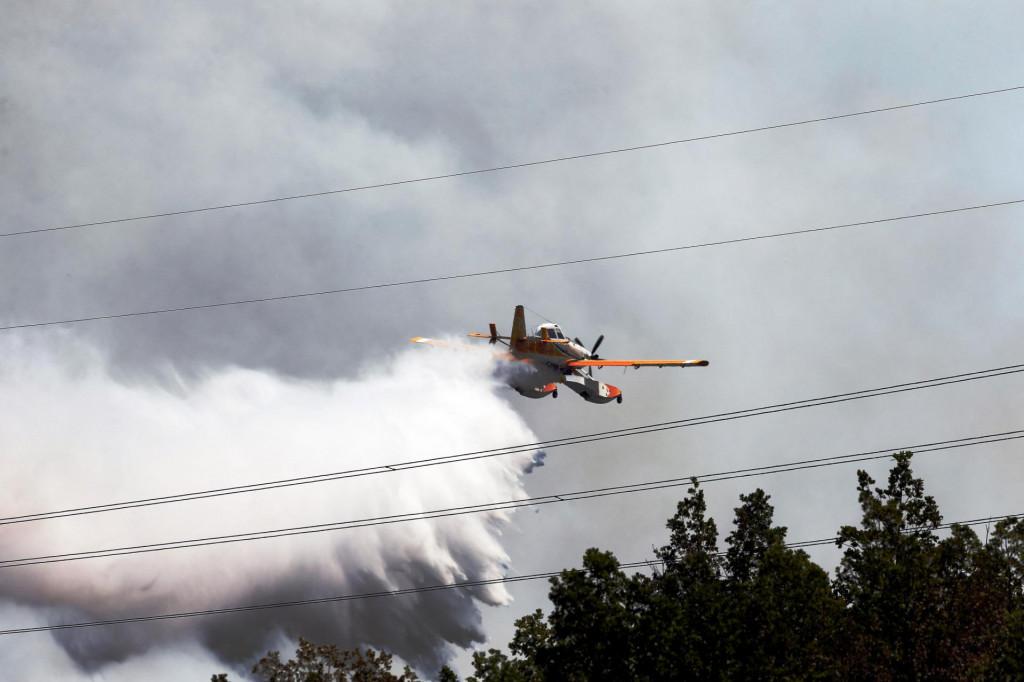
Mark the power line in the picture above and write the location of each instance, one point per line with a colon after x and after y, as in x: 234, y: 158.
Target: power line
x: 513, y: 449
x: 485, y: 273
x: 416, y: 590
x: 501, y: 505
x: 526, y: 164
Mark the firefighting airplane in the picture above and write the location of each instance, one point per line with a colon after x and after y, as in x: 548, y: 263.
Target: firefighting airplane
x: 556, y: 360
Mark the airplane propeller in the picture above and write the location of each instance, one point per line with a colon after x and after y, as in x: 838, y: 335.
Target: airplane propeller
x: 593, y: 351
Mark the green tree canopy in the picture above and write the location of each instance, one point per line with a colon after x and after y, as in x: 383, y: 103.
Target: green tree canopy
x: 904, y: 604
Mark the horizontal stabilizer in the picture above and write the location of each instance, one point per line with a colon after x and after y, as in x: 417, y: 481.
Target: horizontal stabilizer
x: 459, y: 346
x: 444, y: 344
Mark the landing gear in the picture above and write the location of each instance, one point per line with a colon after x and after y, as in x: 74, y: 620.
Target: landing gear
x: 554, y: 393
x: 618, y: 399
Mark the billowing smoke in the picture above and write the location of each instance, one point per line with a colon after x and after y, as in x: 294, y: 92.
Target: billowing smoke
x: 72, y: 436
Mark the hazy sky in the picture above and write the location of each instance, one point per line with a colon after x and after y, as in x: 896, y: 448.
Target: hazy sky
x: 112, y: 110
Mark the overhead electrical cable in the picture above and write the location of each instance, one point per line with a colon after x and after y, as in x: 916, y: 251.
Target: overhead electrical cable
x: 485, y: 273
x: 499, y: 505
x: 505, y: 580
x: 526, y: 164
x: 512, y: 449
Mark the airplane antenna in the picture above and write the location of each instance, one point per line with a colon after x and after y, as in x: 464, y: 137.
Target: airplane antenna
x: 538, y: 314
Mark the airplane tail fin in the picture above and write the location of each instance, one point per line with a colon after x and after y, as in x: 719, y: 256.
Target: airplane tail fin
x: 518, y: 327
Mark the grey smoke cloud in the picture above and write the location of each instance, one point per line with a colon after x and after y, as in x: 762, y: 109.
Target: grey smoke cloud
x: 205, y: 108
x: 109, y: 110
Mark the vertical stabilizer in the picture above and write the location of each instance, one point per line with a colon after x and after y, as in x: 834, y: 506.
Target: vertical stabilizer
x: 518, y: 327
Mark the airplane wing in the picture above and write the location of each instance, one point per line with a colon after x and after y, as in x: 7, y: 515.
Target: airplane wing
x: 636, y: 364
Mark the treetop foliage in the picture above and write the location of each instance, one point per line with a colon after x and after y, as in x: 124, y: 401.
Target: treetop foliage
x: 904, y: 604
x: 314, y: 663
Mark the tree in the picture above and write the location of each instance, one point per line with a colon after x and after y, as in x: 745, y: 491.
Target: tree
x: 752, y: 536
x: 446, y: 674
x: 590, y: 623
x: 778, y: 607
x: 685, y: 618
x: 495, y: 666
x: 314, y: 663
x: 887, y: 578
x: 532, y: 636
x: 1003, y: 574
x: 692, y: 552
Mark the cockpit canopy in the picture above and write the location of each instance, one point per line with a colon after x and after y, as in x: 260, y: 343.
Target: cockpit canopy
x: 554, y: 331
